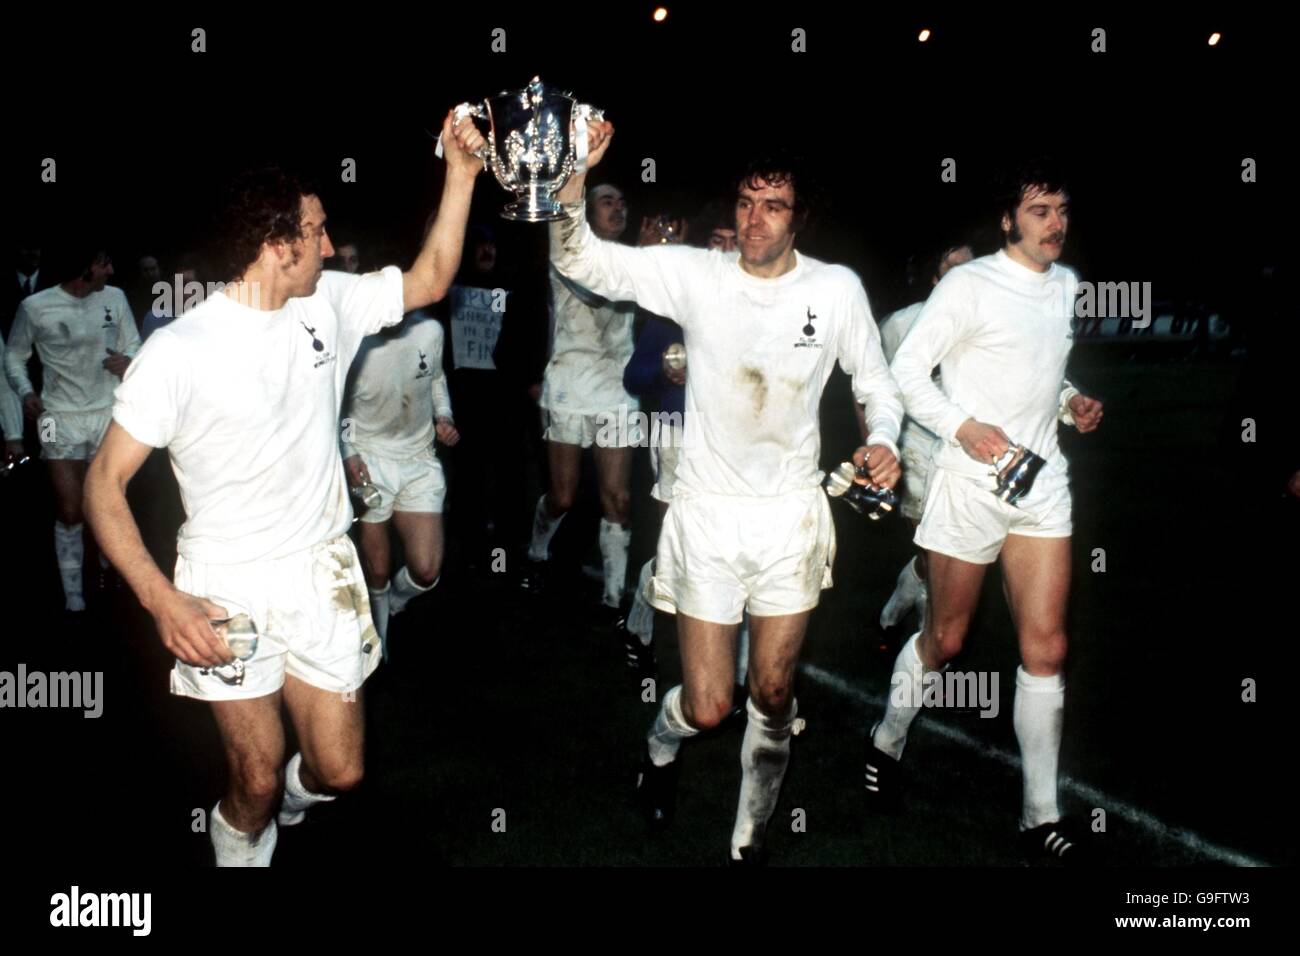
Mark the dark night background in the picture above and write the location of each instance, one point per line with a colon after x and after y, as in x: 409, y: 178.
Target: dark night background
x: 1154, y: 129
x: 1201, y: 588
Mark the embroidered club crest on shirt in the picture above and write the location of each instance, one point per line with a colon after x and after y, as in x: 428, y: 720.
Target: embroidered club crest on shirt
x: 424, y: 370
x: 808, y: 339
x: 316, y: 343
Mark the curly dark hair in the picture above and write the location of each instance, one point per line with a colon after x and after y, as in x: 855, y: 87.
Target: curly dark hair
x: 259, y: 205
x: 1041, y: 174
x: 716, y: 214
x: 73, y: 259
x: 777, y: 170
x: 80, y: 244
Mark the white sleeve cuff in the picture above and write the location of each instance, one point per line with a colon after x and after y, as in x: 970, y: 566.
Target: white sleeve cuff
x: 951, y: 424
x: 1063, y: 412
x: 875, y: 438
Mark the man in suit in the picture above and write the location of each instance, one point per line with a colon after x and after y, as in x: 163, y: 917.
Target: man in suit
x: 26, y: 279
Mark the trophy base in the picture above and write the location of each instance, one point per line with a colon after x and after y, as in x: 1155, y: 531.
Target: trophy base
x: 533, y: 211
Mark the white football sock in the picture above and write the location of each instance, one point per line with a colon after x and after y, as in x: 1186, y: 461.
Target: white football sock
x: 669, y: 730
x: 379, y: 614
x: 1037, y: 716
x: 71, y: 554
x: 904, y: 703
x: 237, y: 848
x: 742, y: 651
x: 641, y: 619
x: 403, y: 590
x: 297, y: 798
x: 614, y: 539
x: 764, y: 756
x: 539, y: 549
x: 905, y: 596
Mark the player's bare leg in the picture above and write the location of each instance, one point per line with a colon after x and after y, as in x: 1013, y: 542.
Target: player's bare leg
x: 565, y: 462
x: 640, y: 622
x: 955, y: 587
x: 376, y: 565
x: 331, y: 733
x: 775, y: 643
x: 242, y: 830
x: 68, y: 478
x: 954, y: 595
x: 703, y: 699
x: 375, y: 553
x: 700, y: 702
x: 614, y: 474
x: 708, y: 653
x: 1037, y: 575
x: 422, y: 540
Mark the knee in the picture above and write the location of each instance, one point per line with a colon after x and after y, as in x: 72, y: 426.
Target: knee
x: 69, y: 512
x: 616, y: 504
x: 773, y: 699
x: 259, y: 784
x: 341, y: 776
x: 376, y: 569
x: 423, y: 571
x: 1044, y: 651
x: 561, y: 501
x: 376, y: 575
x: 706, y: 711
x: 945, y: 639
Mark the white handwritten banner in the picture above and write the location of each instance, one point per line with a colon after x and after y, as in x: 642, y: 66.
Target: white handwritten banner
x: 475, y: 325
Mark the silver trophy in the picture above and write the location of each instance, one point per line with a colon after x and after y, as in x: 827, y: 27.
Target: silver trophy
x: 241, y: 637
x: 368, y: 495
x: 872, y: 501
x: 9, y: 464
x: 537, y: 139
x: 1016, y: 476
x: 667, y: 230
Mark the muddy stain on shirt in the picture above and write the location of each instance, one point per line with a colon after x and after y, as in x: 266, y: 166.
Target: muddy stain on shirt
x: 755, y: 380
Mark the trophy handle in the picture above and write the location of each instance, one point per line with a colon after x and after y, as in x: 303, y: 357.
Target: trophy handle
x: 1009, y: 456
x: 582, y: 113
x: 475, y: 110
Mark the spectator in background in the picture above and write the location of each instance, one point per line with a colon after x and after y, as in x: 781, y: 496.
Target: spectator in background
x: 172, y: 298
x: 347, y: 256
x: 28, y: 280
x: 148, y: 273
x: 489, y: 403
x: 520, y: 357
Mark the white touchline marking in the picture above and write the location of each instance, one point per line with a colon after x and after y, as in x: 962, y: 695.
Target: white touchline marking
x: 1086, y: 792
